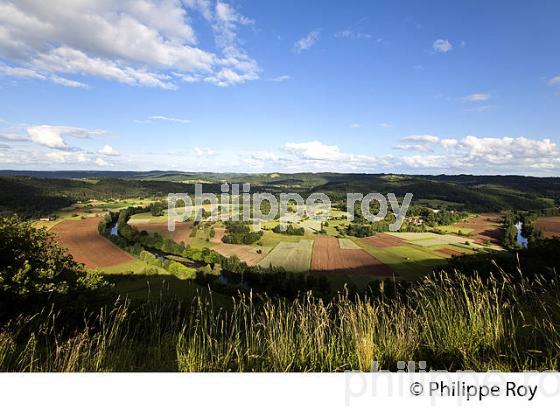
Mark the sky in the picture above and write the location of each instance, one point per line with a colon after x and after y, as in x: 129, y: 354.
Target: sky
x: 416, y: 87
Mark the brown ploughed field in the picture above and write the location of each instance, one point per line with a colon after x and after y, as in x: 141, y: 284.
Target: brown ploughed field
x: 181, y: 233
x: 329, y: 257
x: 549, y: 225
x: 243, y: 252
x: 449, y: 252
x: 383, y: 240
x: 84, y: 243
x: 485, y: 227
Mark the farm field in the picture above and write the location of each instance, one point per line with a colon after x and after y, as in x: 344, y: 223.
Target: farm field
x: 147, y: 218
x: 292, y: 256
x: 181, y: 233
x: 384, y: 240
x: 549, y: 225
x: 347, y: 243
x: 135, y: 266
x: 271, y: 239
x: 311, y: 225
x: 483, y: 228
x: 246, y: 253
x: 408, y: 261
x: 84, y: 243
x: 329, y: 257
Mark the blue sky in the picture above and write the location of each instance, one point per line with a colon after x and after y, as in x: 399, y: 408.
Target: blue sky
x: 258, y: 86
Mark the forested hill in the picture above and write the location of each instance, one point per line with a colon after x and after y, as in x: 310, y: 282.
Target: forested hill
x: 29, y: 192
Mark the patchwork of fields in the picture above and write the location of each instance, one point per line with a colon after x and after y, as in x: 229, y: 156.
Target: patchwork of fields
x: 406, y: 255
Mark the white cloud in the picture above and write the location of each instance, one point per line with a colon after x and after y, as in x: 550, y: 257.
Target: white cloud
x: 57, y: 156
x: 203, y: 152
x: 554, y: 80
x: 355, y: 125
x: 432, y: 139
x: 505, y: 155
x: 442, y: 46
x: 27, y: 73
x: 354, y: 35
x: 52, y: 136
x: 11, y: 136
x: 108, y: 150
x: 170, y: 119
x: 305, y: 43
x: 386, y: 125
x: 66, y: 82
x: 281, y: 78
x: 136, y: 42
x: 265, y: 156
x: 313, y: 150
x: 412, y: 147
x: 476, y: 97
x: 20, y: 72
x: 101, y: 162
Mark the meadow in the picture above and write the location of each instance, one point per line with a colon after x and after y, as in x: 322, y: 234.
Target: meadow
x: 452, y: 322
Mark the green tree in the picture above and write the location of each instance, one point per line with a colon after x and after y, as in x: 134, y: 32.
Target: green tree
x: 33, y: 266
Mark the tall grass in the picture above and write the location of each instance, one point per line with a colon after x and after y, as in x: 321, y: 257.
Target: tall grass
x: 448, y: 320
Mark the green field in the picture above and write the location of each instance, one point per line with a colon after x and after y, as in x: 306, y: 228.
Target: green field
x: 147, y: 218
x: 292, y: 256
x: 409, y: 261
x: 271, y: 239
x: 133, y: 267
x: 454, y: 229
x: 347, y: 243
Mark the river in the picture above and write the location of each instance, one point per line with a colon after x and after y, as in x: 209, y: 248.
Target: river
x: 520, y: 239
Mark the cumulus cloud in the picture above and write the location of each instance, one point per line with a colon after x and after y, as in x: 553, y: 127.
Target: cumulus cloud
x: 313, y: 150
x: 137, y: 42
x: 432, y: 139
x: 305, y: 43
x: 412, y: 147
x: 505, y: 154
x: 52, y: 136
x: 108, y: 150
x: 203, y: 152
x: 442, y: 46
x: 101, y: 162
x: 265, y: 156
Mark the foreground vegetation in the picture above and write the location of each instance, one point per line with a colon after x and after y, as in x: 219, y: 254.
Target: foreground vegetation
x: 449, y: 320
